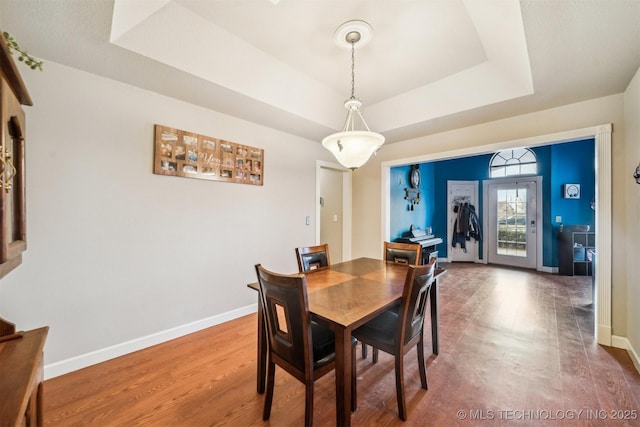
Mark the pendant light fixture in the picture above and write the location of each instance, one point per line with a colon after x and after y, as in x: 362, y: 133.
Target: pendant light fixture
x: 356, y: 143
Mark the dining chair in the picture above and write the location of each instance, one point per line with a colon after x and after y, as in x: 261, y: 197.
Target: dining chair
x: 312, y: 258
x: 403, y: 253
x: 396, y: 332
x: 303, y: 348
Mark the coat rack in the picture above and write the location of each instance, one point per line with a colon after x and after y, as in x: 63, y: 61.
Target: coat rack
x: 460, y: 200
x: 413, y: 194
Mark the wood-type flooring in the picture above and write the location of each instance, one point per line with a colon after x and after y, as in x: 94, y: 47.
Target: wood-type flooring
x: 516, y: 348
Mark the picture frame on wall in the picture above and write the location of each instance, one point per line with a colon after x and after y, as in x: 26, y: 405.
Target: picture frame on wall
x: 190, y: 155
x: 571, y: 191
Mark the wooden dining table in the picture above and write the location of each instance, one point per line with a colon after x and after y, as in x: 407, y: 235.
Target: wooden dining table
x: 343, y: 297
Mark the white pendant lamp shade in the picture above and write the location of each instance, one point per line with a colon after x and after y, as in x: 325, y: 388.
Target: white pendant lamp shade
x: 356, y: 143
x: 353, y: 148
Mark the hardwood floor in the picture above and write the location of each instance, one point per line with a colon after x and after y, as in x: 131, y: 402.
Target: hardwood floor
x: 516, y: 348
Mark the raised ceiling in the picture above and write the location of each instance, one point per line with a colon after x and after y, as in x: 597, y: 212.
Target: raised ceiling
x: 432, y: 65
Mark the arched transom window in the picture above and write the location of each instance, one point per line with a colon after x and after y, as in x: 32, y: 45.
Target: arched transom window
x: 513, y: 162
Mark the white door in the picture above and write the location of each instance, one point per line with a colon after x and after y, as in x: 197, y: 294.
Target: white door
x: 512, y: 217
x: 331, y: 212
x: 459, y: 192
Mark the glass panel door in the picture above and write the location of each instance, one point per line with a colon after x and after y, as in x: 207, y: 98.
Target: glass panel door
x: 511, y: 224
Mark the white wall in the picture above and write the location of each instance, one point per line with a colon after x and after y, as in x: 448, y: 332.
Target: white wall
x: 632, y: 191
x: 117, y: 254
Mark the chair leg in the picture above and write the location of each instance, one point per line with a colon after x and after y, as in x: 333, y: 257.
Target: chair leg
x: 268, y: 397
x: 354, y: 388
x: 375, y: 355
x: 402, y: 408
x: 422, y: 366
x: 364, y: 351
x: 308, y: 407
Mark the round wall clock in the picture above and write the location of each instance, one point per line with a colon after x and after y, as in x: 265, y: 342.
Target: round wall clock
x: 414, y: 176
x: 572, y: 191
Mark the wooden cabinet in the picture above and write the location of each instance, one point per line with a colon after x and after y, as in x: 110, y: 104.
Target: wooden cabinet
x: 13, y: 94
x: 21, y: 359
x: 21, y: 377
x: 574, y: 253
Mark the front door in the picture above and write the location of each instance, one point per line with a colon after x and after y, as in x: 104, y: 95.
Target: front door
x: 511, y: 231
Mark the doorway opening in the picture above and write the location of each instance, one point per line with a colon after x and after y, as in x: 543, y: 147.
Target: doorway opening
x: 603, y: 207
x: 333, y: 209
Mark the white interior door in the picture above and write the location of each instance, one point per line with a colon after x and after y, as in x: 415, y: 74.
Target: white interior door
x: 331, y: 212
x: 512, y: 222
x: 459, y: 192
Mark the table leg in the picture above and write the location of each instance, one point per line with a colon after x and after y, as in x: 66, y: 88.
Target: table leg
x: 343, y: 377
x: 433, y: 300
x: 40, y: 405
x: 262, y: 349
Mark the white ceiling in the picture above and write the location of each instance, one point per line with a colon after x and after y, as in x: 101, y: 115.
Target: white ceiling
x: 431, y: 65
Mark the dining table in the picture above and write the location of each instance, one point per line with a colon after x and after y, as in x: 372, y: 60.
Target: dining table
x: 343, y: 297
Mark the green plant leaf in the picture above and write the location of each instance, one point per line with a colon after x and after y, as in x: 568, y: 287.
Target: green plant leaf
x: 32, y: 62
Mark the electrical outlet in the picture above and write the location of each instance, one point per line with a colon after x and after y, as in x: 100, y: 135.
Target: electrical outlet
x: 558, y: 219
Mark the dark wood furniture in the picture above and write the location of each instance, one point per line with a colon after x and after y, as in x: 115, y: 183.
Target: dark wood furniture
x: 402, y: 253
x: 303, y: 348
x: 343, y: 297
x: 13, y: 94
x: 21, y: 376
x: 428, y: 242
x: 574, y: 249
x: 313, y: 258
x: 396, y: 331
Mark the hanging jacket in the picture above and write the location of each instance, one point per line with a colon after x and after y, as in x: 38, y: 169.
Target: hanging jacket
x: 466, y: 226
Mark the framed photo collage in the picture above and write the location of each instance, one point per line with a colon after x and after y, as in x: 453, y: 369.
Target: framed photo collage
x: 190, y: 155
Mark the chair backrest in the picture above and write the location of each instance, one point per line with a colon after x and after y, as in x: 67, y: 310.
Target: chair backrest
x: 414, y: 301
x: 402, y: 253
x: 313, y: 258
x: 286, y: 309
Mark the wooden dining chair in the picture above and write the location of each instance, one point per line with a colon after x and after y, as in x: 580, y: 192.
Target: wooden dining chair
x: 303, y: 348
x: 400, y: 253
x: 403, y: 253
x: 396, y: 332
x: 312, y: 258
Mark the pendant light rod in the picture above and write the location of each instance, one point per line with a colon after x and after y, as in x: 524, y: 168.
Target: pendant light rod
x: 353, y: 37
x: 356, y: 143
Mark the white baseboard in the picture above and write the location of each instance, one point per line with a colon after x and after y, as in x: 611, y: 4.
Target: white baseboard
x: 624, y: 343
x: 476, y: 261
x: 62, y: 367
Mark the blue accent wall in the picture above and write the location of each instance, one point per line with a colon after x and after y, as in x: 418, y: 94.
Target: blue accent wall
x: 558, y: 164
x: 401, y: 216
x: 475, y: 168
x: 572, y: 163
